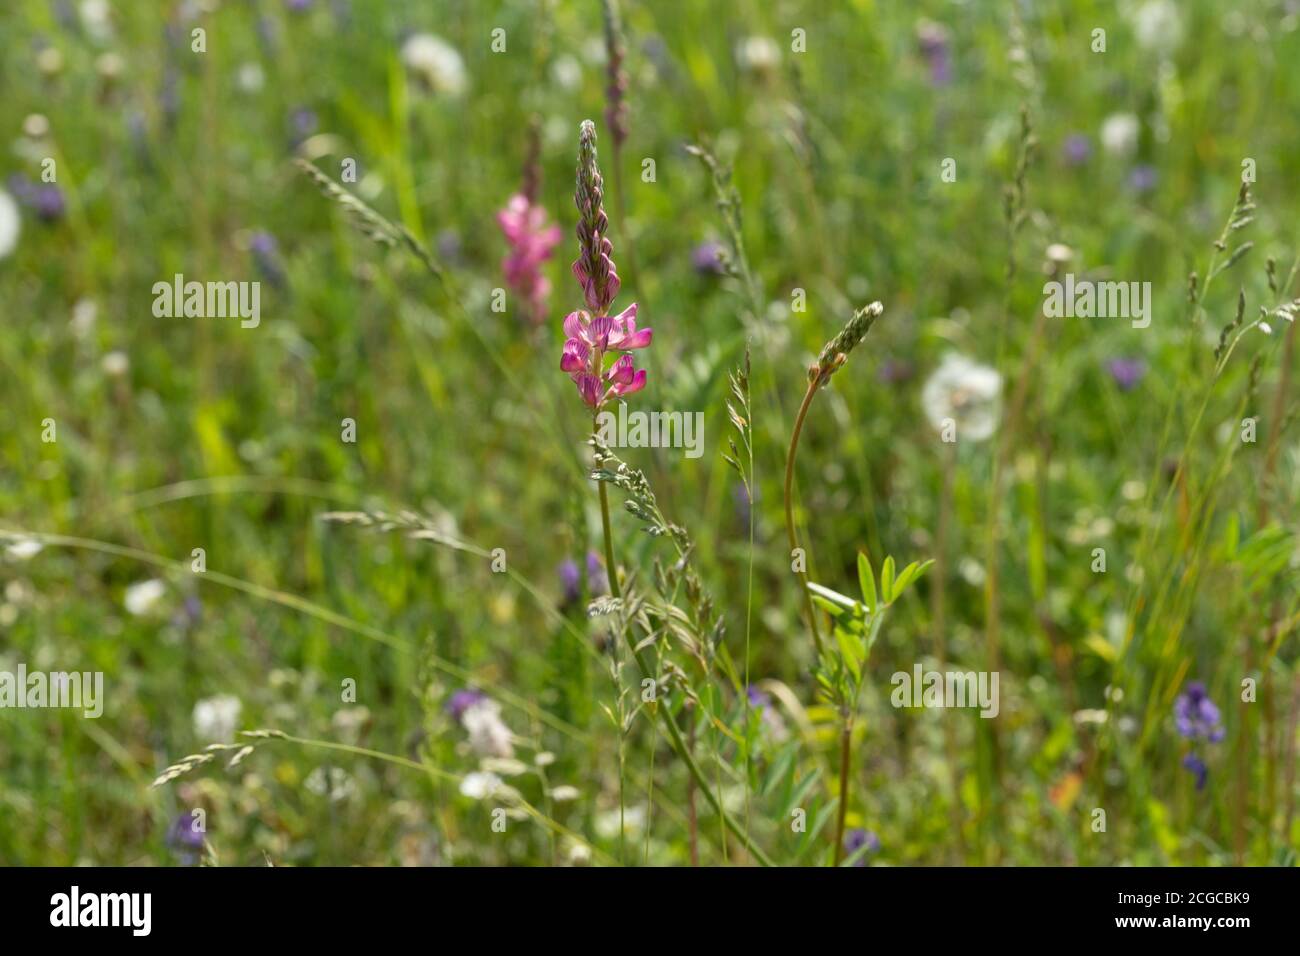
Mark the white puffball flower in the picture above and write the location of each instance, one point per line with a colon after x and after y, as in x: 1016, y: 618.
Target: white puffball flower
x: 115, y: 364
x: 488, y: 734
x: 435, y: 62
x: 24, y: 549
x: 479, y: 786
x: 1157, y: 25
x: 143, y: 595
x: 966, y: 392
x: 96, y: 17
x: 217, y: 718
x: 1119, y: 134
x: 10, y: 224
x: 759, y: 54
x: 566, y: 73
x: 250, y: 78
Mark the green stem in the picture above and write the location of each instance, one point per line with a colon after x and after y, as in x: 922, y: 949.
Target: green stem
x: 670, y: 723
x: 809, y: 610
x: 846, y: 756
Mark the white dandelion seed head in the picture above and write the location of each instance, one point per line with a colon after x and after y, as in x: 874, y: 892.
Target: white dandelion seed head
x: 115, y: 364
x: 1158, y: 25
x: 141, y: 597
x: 217, y: 718
x: 1119, y: 134
x: 967, y: 393
x: 758, y: 54
x: 10, y: 224
x: 250, y: 78
x: 435, y: 62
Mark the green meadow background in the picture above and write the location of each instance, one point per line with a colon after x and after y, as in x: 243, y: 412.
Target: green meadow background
x: 181, y: 433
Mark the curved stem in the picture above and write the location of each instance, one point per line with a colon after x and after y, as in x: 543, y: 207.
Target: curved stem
x: 789, y: 510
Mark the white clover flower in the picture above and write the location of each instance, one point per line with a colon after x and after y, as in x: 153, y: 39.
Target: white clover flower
x: 488, y: 734
x: 115, y: 363
x: 1157, y: 25
x: 435, y: 62
x: 217, y: 718
x: 758, y: 54
x: 97, y: 18
x: 10, y: 224
x: 480, y: 786
x: 84, y: 313
x: 609, y: 823
x: 1119, y: 134
x: 143, y: 595
x: 331, y: 782
x: 967, y: 393
x: 24, y: 549
x: 250, y: 78
x: 566, y: 73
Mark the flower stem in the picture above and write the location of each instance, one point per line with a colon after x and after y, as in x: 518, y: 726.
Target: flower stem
x: 846, y: 757
x: 809, y: 610
x: 611, y: 571
x: 665, y: 713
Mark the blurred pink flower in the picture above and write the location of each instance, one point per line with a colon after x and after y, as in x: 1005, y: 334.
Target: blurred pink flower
x: 531, y: 243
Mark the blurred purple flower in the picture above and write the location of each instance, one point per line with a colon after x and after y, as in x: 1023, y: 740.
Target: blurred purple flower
x: 597, y: 582
x: 185, y: 838
x: 463, y: 700
x: 570, y: 580
x: 299, y: 6
x: 44, y: 199
x: 932, y: 38
x: 757, y: 696
x: 741, y: 496
x: 894, y: 371
x: 856, y: 839
x: 1196, y: 716
x: 1077, y: 149
x: 1127, y: 372
x: 704, y: 258
x: 266, y: 256
x: 450, y: 248
x: 303, y: 122
x: 1143, y: 178
x: 1197, y: 766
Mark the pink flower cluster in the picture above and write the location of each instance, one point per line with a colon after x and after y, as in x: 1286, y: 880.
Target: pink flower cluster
x: 591, y: 335
x: 531, y: 244
x: 588, y: 340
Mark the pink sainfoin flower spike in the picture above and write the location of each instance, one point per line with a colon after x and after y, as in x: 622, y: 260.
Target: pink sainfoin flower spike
x: 592, y: 335
x: 531, y: 243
